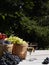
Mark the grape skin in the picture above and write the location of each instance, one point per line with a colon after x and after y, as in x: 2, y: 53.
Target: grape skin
x: 9, y: 59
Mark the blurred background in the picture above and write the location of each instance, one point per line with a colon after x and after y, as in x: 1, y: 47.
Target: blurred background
x: 28, y: 19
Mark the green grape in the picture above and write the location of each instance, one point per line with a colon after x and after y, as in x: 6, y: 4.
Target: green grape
x: 16, y: 40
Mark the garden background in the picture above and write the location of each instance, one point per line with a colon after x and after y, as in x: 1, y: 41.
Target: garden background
x: 28, y: 19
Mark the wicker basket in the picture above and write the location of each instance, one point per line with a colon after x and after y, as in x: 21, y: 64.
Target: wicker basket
x: 20, y: 50
x: 8, y: 48
x: 16, y: 49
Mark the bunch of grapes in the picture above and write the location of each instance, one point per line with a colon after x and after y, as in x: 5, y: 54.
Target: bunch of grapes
x: 9, y: 59
x: 46, y: 61
x: 16, y: 40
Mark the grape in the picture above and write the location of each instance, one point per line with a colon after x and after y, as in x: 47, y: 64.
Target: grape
x: 46, y: 61
x: 9, y: 59
x: 9, y: 62
x: 4, y: 63
x: 17, y: 59
x: 7, y: 42
x: 16, y: 40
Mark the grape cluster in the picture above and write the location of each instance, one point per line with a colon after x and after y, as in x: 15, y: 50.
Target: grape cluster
x: 46, y: 61
x: 9, y: 59
x: 16, y: 40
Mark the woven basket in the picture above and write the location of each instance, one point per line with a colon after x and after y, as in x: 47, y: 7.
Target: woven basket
x: 8, y: 48
x: 16, y: 49
x: 20, y: 50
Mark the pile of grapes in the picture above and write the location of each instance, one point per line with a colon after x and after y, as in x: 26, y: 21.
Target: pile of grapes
x: 16, y: 40
x: 46, y: 61
x: 9, y: 59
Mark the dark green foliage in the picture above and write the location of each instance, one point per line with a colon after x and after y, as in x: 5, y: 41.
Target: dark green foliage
x: 28, y: 19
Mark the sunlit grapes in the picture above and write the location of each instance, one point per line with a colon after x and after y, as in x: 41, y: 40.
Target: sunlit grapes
x: 16, y: 40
